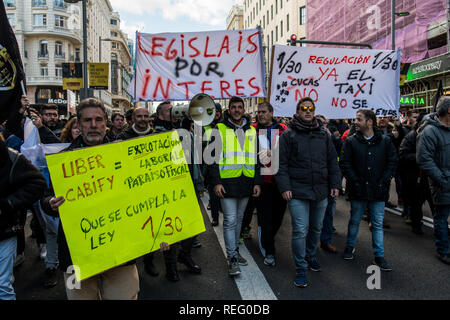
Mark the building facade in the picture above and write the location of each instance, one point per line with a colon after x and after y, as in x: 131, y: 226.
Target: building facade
x: 49, y: 33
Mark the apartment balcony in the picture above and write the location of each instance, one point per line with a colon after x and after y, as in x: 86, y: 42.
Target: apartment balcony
x: 44, y: 81
x: 61, y: 56
x: 43, y: 55
x: 73, y: 35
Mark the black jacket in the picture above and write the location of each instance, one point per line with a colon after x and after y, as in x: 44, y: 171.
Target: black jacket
x: 21, y: 184
x: 242, y: 186
x: 308, y: 161
x: 368, y: 166
x: 433, y: 157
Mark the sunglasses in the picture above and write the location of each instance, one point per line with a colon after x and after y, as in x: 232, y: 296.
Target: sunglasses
x: 305, y: 108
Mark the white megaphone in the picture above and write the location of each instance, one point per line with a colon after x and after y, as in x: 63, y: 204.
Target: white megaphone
x: 201, y: 110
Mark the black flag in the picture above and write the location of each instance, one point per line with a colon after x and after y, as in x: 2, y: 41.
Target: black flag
x: 439, y: 93
x: 11, y: 69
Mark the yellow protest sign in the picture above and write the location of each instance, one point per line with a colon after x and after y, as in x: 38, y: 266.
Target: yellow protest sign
x: 98, y: 75
x: 123, y: 199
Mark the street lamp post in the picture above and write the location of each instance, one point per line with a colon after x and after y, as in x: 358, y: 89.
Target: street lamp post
x: 393, y: 14
x: 85, y: 92
x: 100, y: 57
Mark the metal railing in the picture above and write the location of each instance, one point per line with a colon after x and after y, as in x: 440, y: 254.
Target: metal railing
x: 42, y: 54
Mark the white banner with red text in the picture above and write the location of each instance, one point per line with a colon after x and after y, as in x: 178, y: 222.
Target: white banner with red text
x: 339, y: 81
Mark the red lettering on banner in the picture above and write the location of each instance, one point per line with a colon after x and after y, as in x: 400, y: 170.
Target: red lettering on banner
x: 206, y: 55
x: 254, y: 87
x: 240, y: 41
x: 204, y: 88
x: 319, y: 60
x: 249, y: 39
x: 225, y: 45
x: 331, y: 74
x: 156, y: 45
x: 193, y: 48
x: 312, y: 59
x: 236, y: 82
x: 224, y: 89
x: 140, y: 46
x: 182, y: 45
x: 298, y: 94
x: 322, y: 72
x: 146, y: 82
x: 170, y: 54
x: 186, y: 84
x: 160, y: 85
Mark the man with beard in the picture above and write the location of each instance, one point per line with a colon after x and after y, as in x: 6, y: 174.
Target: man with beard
x: 118, y: 122
x: 50, y: 119
x: 270, y: 205
x: 308, y: 173
x: 236, y: 177
x: 368, y: 162
x: 118, y: 283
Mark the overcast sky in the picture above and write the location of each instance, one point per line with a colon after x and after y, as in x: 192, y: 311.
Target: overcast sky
x: 156, y: 16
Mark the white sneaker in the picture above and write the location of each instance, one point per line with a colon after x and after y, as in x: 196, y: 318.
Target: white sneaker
x: 269, y: 260
x: 43, y: 251
x: 19, y: 260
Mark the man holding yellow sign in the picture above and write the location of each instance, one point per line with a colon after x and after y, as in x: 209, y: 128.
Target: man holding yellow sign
x: 118, y: 202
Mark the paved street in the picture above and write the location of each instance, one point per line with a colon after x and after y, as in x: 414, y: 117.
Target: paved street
x: 417, y: 273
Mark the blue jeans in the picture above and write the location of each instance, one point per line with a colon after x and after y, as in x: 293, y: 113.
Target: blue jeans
x: 307, y: 217
x: 440, y: 217
x: 376, y: 209
x: 8, y: 251
x: 233, y: 213
x: 327, y: 228
x: 50, y: 226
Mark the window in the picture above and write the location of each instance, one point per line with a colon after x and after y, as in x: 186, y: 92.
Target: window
x: 77, y: 54
x: 264, y: 22
x: 9, y: 3
x: 39, y: 4
x: 114, y: 34
x: 271, y: 12
x: 276, y: 33
x: 281, y: 28
x: 58, y: 71
x: 302, y: 15
x: 113, y: 45
x: 281, y: 4
x: 271, y: 36
x: 267, y: 17
x: 287, y: 23
x: 40, y: 19
x: 44, y: 70
x: 60, y: 4
x: 114, y: 22
x: 59, y: 49
x: 43, y: 49
x: 60, y: 21
x: 10, y: 19
x: 276, y: 6
x: 44, y: 94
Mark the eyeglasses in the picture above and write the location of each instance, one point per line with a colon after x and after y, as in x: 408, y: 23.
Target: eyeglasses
x: 305, y: 108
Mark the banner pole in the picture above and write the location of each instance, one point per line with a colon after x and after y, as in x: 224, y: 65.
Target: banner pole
x: 270, y: 73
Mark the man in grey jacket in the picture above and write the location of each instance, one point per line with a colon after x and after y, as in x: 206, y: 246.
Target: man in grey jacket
x: 433, y: 157
x: 308, y: 170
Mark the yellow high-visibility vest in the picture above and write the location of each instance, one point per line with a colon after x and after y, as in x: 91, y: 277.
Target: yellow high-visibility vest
x: 234, y: 161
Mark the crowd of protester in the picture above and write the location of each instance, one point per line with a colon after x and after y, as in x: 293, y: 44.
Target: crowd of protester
x: 319, y: 159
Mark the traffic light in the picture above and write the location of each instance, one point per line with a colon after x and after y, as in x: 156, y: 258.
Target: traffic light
x: 293, y: 39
